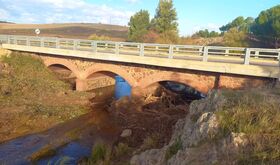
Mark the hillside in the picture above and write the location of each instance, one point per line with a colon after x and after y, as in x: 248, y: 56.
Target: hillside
x: 67, y: 30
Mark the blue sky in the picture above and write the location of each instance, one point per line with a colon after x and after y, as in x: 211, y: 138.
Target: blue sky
x: 193, y: 15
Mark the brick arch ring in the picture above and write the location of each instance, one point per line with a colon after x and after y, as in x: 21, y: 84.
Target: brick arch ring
x: 65, y: 63
x: 189, y: 80
x: 109, y: 68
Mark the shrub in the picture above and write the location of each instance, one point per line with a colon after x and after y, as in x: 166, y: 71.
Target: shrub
x: 173, y: 149
x: 236, y: 38
x: 99, y: 38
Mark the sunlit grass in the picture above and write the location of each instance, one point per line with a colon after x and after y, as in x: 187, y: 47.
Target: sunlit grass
x: 257, y: 114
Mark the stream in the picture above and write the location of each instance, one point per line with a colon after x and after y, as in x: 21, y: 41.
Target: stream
x: 74, y: 139
x: 96, y: 126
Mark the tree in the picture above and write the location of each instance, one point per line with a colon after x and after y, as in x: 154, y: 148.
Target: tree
x: 235, y: 38
x: 267, y: 24
x: 165, y: 21
x: 240, y: 23
x: 206, y: 34
x: 138, y: 26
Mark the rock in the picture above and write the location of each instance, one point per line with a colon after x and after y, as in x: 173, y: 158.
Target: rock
x: 126, y: 133
x: 239, y: 139
x: 196, y: 133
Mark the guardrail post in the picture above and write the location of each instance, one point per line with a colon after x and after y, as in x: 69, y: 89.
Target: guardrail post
x: 9, y: 40
x: 257, y: 53
x: 27, y: 41
x: 205, y: 54
x: 226, y: 52
x: 57, y: 42
x: 117, y: 50
x: 41, y: 42
x: 171, y: 51
x: 15, y: 41
x: 75, y: 44
x: 279, y: 57
x: 141, y: 49
x: 247, y: 56
x: 94, y: 44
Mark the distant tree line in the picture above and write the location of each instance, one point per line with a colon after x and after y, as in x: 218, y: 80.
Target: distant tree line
x: 266, y: 27
x: 206, y: 34
x: 163, y: 28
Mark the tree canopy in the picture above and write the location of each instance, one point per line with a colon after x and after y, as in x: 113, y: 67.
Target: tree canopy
x: 268, y: 24
x: 206, y: 34
x: 139, y: 25
x: 166, y: 17
x: 240, y: 23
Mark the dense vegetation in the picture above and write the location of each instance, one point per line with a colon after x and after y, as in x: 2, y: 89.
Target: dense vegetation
x: 206, y: 34
x: 163, y: 28
x: 266, y: 27
x: 241, y: 32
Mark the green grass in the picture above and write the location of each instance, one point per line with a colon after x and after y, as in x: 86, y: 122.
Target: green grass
x: 31, y: 95
x: 27, y: 76
x: 121, y: 149
x: 151, y: 141
x: 101, y: 154
x: 257, y: 114
x: 173, y: 149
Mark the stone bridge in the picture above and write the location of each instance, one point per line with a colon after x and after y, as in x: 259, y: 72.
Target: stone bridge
x: 142, y: 76
x: 225, y: 68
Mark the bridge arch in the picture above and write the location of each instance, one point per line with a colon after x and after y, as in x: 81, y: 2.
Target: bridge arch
x: 65, y: 63
x: 189, y: 80
x: 103, y: 68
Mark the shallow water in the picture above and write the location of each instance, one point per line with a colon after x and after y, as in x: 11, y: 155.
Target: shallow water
x: 70, y: 154
x: 91, y: 128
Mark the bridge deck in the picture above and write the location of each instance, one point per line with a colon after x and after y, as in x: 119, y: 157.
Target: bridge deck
x: 241, y: 61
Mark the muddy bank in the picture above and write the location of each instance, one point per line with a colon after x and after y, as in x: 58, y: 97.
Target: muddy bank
x: 32, y: 98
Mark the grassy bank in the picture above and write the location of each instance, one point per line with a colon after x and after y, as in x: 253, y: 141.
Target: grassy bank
x: 32, y: 99
x: 256, y: 114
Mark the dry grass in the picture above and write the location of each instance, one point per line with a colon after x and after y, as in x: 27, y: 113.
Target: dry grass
x: 257, y: 114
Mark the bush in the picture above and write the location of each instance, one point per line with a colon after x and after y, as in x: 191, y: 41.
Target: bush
x: 236, y: 38
x: 99, y: 38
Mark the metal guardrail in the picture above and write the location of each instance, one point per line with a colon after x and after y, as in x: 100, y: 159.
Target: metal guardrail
x: 246, y: 56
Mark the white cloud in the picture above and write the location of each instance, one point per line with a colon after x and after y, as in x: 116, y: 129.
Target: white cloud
x: 4, y: 15
x: 59, y: 11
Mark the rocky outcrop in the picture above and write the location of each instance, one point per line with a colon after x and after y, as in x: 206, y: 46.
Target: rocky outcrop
x: 196, y: 139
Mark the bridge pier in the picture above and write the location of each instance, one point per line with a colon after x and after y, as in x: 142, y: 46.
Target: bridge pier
x: 81, y: 85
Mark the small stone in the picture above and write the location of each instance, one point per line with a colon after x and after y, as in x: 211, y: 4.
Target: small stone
x: 126, y: 133
x: 239, y: 139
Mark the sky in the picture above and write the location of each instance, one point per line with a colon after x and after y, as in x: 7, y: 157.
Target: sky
x: 193, y: 15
